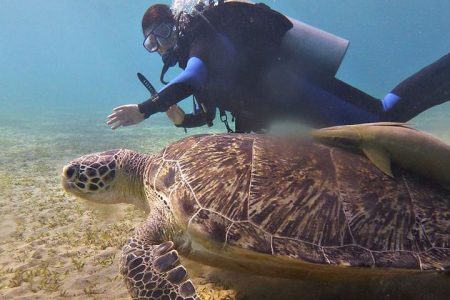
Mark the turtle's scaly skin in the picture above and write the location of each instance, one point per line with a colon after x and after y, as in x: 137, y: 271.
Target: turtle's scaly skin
x: 305, y: 201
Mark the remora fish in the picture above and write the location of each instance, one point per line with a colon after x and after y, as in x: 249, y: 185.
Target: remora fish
x: 384, y: 142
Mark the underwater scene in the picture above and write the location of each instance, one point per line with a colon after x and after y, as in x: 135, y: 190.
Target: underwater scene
x: 65, y: 65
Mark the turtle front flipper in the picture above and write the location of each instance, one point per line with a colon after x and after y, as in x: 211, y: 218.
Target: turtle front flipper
x: 155, y: 271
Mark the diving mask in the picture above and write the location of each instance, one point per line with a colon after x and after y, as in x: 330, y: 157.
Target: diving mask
x: 158, y: 36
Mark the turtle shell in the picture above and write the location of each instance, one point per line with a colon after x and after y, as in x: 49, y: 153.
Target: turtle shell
x: 303, y: 200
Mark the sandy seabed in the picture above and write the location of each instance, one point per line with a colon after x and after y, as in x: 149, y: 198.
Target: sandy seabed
x: 53, y: 245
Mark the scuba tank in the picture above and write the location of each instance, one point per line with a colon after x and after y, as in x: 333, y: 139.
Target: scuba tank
x: 306, y: 46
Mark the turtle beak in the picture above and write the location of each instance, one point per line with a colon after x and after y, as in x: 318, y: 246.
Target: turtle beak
x: 66, y: 185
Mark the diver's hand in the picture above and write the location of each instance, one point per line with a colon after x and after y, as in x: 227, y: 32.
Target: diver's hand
x: 175, y: 114
x: 125, y: 115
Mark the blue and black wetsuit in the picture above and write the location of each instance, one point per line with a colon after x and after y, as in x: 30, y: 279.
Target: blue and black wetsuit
x: 324, y: 101
x: 231, y: 62
x: 223, y: 53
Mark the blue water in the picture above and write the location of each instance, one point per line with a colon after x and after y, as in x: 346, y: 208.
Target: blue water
x: 64, y: 65
x: 61, y: 55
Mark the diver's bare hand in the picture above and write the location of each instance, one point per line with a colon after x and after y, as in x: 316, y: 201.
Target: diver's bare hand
x: 175, y: 114
x: 125, y: 115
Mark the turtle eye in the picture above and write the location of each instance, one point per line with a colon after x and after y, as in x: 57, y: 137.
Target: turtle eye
x: 70, y: 172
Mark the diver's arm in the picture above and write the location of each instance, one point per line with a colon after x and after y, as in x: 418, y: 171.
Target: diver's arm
x: 184, y: 85
x: 199, y: 119
x: 132, y: 114
x: 192, y: 120
x: 167, y: 97
x: 175, y: 114
x: 180, y: 119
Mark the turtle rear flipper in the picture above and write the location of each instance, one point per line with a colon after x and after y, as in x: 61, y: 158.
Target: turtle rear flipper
x: 154, y: 271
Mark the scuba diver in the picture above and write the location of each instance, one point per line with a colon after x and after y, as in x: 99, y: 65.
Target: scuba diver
x: 260, y: 66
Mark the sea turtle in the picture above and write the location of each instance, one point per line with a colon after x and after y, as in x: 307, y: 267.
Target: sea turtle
x: 288, y: 208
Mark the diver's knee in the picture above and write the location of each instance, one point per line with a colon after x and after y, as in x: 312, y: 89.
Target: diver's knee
x: 390, y: 101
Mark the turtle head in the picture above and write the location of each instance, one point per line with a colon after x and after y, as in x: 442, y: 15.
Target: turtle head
x: 108, y: 177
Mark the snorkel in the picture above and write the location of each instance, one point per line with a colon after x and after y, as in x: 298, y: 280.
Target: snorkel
x: 161, y: 39
x: 169, y: 59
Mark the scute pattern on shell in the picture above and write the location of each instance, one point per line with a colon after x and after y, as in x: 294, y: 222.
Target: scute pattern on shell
x: 298, y: 199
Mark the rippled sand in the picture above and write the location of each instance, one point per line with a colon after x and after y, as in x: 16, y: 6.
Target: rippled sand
x: 55, y: 246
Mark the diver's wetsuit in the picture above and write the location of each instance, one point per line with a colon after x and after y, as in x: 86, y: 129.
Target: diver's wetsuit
x: 238, y: 69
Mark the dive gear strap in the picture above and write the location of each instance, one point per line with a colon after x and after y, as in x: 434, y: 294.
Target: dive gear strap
x: 224, y: 119
x: 147, y: 84
x: 144, y: 109
x: 199, y: 108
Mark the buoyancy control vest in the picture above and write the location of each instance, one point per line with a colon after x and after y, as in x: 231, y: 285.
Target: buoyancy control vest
x: 255, y: 31
x: 252, y: 27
